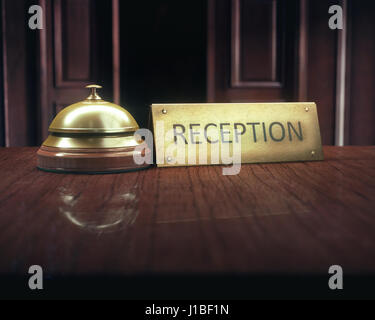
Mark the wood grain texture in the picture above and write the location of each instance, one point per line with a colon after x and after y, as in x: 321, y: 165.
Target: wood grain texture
x: 271, y: 218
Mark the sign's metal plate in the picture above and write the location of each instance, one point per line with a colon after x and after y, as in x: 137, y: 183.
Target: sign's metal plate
x: 194, y: 134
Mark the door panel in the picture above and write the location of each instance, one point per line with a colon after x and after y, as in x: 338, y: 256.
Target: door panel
x: 76, y: 50
x: 274, y: 50
x: 254, y: 46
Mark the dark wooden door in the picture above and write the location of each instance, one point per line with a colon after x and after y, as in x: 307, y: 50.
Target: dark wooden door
x: 253, y: 51
x: 249, y: 50
x: 46, y: 70
x: 275, y: 50
x: 76, y: 49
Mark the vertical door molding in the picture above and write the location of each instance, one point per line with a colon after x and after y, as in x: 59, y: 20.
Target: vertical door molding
x: 5, y: 110
x: 211, y: 46
x: 341, y: 79
x: 116, y: 50
x: 44, y: 113
x: 302, y: 51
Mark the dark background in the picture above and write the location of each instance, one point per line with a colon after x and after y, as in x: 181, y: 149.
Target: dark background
x: 184, y: 51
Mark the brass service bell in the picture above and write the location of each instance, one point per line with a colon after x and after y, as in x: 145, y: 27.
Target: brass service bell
x: 91, y: 136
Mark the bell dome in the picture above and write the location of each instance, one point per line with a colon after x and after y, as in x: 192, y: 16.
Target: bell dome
x: 93, y: 115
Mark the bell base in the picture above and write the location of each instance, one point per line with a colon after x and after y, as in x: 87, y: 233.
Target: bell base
x: 88, y: 161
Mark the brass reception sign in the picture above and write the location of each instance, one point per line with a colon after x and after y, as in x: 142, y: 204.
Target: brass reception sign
x: 195, y: 134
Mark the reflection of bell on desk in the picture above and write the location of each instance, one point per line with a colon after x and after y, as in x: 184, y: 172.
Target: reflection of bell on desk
x: 91, y: 136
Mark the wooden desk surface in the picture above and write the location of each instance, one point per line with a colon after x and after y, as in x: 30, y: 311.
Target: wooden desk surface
x: 271, y: 218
